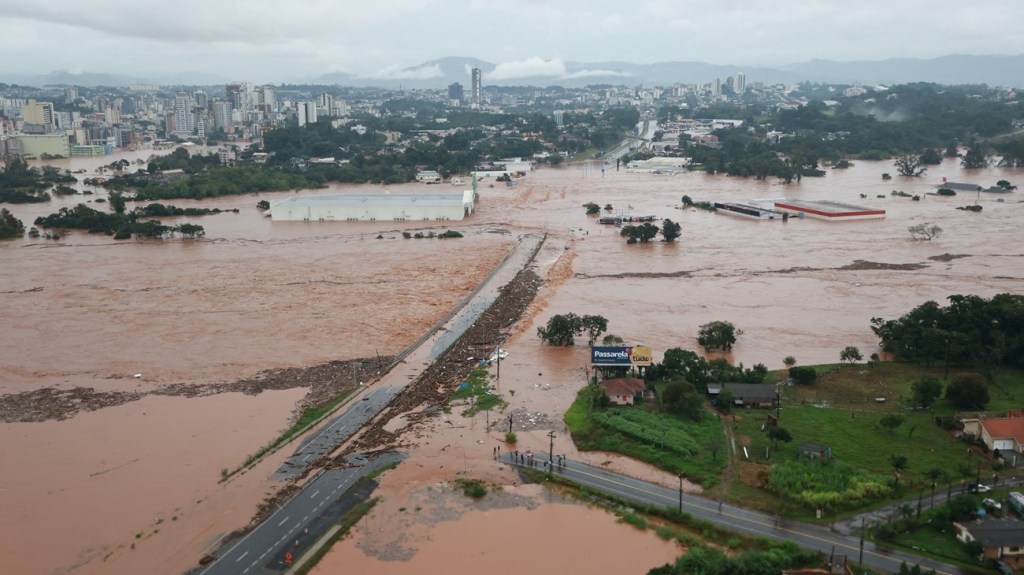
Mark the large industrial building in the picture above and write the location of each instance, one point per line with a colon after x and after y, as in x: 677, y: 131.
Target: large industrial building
x: 827, y: 210
x: 372, y: 207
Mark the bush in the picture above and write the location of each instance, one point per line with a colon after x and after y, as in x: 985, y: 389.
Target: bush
x: 450, y: 234
x: 967, y: 391
x: 474, y: 488
x: 803, y: 375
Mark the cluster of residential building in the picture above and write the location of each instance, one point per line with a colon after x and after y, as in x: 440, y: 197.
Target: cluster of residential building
x: 66, y: 121
x: 63, y: 122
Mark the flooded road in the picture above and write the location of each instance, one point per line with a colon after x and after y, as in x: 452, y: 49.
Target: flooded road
x: 255, y: 294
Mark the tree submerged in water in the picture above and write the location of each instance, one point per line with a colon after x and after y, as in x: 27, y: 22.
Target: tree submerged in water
x: 925, y: 231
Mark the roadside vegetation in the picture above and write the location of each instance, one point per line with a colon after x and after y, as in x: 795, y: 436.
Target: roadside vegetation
x: 477, y: 393
x: 676, y: 443
x: 309, y: 415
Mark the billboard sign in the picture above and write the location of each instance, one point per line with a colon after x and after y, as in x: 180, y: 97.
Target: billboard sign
x: 618, y: 356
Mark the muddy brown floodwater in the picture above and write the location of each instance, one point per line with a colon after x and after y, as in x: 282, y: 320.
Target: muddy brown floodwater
x: 134, y: 488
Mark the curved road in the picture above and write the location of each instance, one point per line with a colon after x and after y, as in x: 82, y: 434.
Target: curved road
x: 741, y: 520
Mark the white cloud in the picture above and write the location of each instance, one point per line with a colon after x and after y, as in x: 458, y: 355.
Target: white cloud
x: 596, y: 73
x: 529, y: 68
x: 276, y: 41
x: 397, y: 73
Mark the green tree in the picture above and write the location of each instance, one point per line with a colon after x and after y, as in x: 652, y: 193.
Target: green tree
x: 777, y: 434
x: 789, y: 361
x: 967, y: 391
x: 117, y: 202
x: 724, y: 401
x: 718, y: 335
x: 891, y: 421
x: 594, y: 326
x: 643, y: 233
x: 931, y: 157
x: 926, y: 390
x: 803, y: 375
x: 974, y: 549
x: 592, y: 208
x: 10, y: 226
x: 850, y: 354
x: 561, y: 329
x: 191, y: 231
x: 909, y: 165
x: 670, y: 230
x: 612, y: 339
x: 976, y: 157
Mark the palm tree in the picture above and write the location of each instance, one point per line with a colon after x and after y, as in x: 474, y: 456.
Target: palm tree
x: 934, y: 475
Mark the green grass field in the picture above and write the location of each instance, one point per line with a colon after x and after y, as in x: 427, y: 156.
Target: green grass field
x: 667, y: 441
x: 841, y: 412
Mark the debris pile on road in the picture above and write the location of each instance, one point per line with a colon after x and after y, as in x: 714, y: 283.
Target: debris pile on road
x: 430, y: 392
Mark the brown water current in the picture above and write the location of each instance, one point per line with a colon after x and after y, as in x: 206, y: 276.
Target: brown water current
x: 86, y: 311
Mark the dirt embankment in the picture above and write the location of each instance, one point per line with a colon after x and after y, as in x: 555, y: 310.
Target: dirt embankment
x: 324, y: 381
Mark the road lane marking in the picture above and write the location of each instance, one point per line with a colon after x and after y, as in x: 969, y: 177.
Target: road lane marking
x: 242, y: 556
x: 283, y: 521
x: 314, y: 494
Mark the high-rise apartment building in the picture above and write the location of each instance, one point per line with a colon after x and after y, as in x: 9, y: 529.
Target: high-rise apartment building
x: 477, y: 87
x: 455, y: 93
x: 38, y: 114
x: 221, y: 114
x: 739, y: 83
x: 184, y: 121
x: 269, y: 98
x: 233, y: 93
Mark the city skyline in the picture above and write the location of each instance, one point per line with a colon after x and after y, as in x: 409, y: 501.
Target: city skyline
x: 525, y: 38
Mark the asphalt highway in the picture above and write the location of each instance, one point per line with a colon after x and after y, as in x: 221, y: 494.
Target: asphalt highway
x: 289, y: 529
x: 816, y: 537
x: 335, y: 432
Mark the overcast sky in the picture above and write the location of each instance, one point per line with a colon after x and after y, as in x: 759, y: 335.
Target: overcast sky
x: 274, y: 41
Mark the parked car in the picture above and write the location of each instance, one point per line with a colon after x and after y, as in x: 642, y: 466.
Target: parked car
x: 979, y: 488
x: 992, y: 504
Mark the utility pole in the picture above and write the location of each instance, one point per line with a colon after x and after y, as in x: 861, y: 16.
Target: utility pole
x: 551, y: 451
x: 510, y: 423
x: 681, y: 477
x: 860, y: 560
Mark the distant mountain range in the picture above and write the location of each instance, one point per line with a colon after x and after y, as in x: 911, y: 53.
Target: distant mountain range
x: 955, y: 69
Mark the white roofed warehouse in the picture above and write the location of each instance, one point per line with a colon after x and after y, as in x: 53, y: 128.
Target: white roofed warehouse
x: 373, y: 207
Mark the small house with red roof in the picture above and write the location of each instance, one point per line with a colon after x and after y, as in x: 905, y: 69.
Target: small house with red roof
x: 623, y: 390
x: 1003, y: 433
